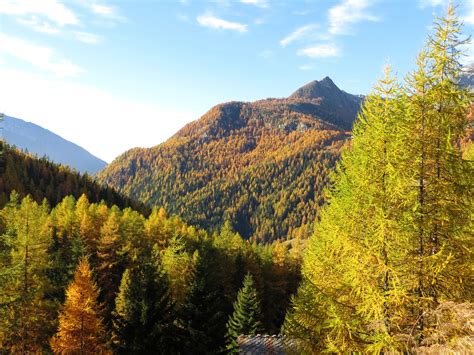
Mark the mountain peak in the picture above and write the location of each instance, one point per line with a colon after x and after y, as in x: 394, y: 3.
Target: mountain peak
x: 316, y: 89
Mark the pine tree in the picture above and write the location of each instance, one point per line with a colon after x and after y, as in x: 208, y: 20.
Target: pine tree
x: 144, y: 318
x: 246, y: 317
x: 80, y: 328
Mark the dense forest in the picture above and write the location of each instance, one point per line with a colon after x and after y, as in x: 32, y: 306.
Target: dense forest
x: 41, y: 179
x: 115, y: 280
x: 262, y: 165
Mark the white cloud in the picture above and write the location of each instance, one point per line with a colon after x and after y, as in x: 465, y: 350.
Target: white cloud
x: 52, y: 9
x: 208, y: 20
x: 320, y: 51
x: 259, y: 3
x: 299, y: 34
x: 433, y: 3
x: 306, y: 67
x: 102, y: 10
x: 348, y: 12
x: 40, y: 57
x: 87, y: 37
x: 102, y: 123
x: 38, y: 25
x: 106, y: 12
x: 468, y: 18
x: 468, y: 57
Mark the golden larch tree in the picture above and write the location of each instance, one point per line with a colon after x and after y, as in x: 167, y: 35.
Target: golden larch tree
x: 80, y: 328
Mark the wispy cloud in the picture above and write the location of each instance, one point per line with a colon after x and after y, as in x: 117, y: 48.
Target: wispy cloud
x: 86, y: 37
x: 347, y: 13
x: 208, y: 20
x: 340, y: 20
x: 259, y: 3
x: 51, y: 9
x: 468, y: 18
x: 433, y: 3
x: 103, y: 10
x: 38, y: 25
x: 324, y: 50
x: 40, y: 57
x: 306, y: 67
x: 106, y: 11
x: 300, y: 33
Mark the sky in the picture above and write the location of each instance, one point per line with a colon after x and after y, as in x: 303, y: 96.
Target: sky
x: 112, y: 75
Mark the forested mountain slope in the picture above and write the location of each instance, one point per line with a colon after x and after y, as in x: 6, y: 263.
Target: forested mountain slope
x: 42, y: 179
x: 261, y: 165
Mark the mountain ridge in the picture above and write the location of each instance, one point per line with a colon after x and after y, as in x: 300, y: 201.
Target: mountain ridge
x: 43, y: 142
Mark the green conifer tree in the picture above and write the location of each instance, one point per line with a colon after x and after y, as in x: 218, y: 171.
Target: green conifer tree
x: 144, y: 315
x: 246, y: 317
x: 204, y: 314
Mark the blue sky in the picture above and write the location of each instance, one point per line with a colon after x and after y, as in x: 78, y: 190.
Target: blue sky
x: 111, y: 75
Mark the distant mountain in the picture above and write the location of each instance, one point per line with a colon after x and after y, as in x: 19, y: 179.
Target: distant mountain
x: 466, y: 78
x: 261, y: 165
x: 42, y: 142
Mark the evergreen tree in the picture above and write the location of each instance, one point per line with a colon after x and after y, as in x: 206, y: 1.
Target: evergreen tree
x: 80, y: 328
x: 144, y: 318
x: 246, y: 317
x: 204, y: 315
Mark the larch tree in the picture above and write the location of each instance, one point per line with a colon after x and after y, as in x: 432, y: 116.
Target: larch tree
x: 245, y: 320
x: 111, y: 263
x: 25, y: 324
x: 349, y: 279
x: 80, y: 328
x: 395, y: 239
x: 178, y: 265
x: 439, y: 202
